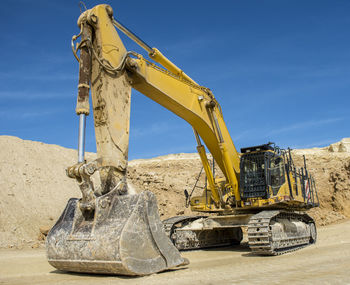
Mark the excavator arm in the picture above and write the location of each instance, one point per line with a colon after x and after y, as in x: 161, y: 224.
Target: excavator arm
x: 169, y: 87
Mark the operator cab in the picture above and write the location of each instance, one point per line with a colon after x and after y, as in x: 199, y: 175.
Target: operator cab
x: 261, y: 166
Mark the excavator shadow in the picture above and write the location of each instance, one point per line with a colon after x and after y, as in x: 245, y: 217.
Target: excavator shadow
x: 243, y: 247
x: 114, y: 276
x: 102, y: 276
x: 250, y: 254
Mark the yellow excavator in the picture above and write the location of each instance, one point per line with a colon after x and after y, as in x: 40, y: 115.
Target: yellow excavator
x: 110, y: 231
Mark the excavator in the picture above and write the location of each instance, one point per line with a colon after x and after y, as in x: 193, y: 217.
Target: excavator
x: 111, y: 231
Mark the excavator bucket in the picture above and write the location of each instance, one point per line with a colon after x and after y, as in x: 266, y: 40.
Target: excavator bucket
x: 124, y: 236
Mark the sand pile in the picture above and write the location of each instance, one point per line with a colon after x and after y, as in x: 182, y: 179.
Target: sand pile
x: 168, y: 177
x: 34, y: 188
x: 331, y: 171
x: 342, y: 146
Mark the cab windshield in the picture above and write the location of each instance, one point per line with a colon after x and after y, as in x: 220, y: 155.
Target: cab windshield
x: 253, y: 182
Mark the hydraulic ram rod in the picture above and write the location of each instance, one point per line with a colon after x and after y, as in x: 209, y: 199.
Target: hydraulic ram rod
x: 81, y: 138
x: 83, y: 107
x: 154, y: 53
x: 132, y: 36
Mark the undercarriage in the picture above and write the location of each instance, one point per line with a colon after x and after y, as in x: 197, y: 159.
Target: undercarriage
x: 270, y: 232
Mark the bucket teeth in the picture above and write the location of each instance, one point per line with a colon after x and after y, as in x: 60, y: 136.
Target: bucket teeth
x: 123, y: 236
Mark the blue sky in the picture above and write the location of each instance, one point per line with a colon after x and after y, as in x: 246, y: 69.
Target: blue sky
x: 280, y: 70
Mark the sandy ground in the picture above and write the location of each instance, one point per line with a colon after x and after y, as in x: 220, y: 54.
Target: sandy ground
x: 327, y: 262
x: 34, y: 190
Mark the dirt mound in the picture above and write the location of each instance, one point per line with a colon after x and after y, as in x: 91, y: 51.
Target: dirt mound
x: 342, y: 146
x: 331, y: 171
x: 167, y: 177
x: 34, y: 187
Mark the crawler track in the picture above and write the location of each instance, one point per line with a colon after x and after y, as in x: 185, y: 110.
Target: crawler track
x: 173, y: 223
x: 184, y: 236
x: 279, y: 232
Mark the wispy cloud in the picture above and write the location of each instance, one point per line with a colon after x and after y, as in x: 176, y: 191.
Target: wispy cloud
x: 304, y: 125
x: 21, y: 115
x: 162, y: 151
x: 41, y: 66
x: 286, y: 70
x: 38, y: 76
x: 242, y: 134
x: 33, y: 95
x: 153, y: 129
x: 191, y: 45
x: 321, y: 143
x: 325, y: 72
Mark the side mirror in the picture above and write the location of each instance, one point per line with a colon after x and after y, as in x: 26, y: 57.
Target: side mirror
x: 186, y: 194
